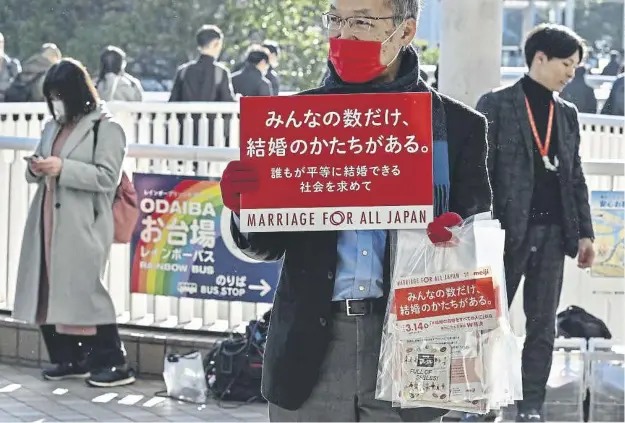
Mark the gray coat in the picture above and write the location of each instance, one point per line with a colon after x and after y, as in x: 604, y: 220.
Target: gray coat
x: 82, y: 229
x: 511, y: 166
x: 122, y: 87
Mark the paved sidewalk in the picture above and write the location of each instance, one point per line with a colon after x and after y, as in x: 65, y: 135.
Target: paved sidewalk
x: 26, y: 397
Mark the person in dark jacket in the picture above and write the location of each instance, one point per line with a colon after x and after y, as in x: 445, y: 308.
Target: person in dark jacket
x: 9, y: 68
x: 322, y: 350
x: 614, y: 65
x: 274, y: 59
x: 250, y: 80
x: 33, y: 73
x: 203, y: 79
x: 580, y: 93
x: 540, y: 194
x: 614, y: 105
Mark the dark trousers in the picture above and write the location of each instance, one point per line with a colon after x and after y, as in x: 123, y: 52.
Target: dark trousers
x: 541, y: 260
x: 100, y: 351
x: 345, y: 391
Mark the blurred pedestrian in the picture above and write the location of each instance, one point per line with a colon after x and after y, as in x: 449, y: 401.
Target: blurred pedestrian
x: 274, y: 61
x: 251, y: 79
x: 9, y: 69
x: 614, y: 104
x: 114, y: 83
x: 27, y: 86
x: 614, y: 65
x: 203, y: 79
x: 580, y: 93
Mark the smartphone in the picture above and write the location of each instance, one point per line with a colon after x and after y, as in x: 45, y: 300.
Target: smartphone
x: 31, y: 158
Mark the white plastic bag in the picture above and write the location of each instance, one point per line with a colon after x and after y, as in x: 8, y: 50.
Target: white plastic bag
x: 184, y: 377
x: 446, y: 340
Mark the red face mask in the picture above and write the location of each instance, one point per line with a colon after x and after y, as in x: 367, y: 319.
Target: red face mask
x: 356, y: 61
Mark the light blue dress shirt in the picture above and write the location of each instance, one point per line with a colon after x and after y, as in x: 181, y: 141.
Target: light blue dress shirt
x: 360, y: 265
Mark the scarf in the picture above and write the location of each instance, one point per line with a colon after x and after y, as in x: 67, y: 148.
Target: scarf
x: 408, y: 80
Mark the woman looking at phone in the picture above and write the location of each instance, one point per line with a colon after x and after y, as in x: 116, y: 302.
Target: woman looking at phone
x: 69, y: 232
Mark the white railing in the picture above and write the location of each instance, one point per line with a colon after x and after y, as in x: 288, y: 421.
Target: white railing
x: 153, y: 132
x: 158, y: 123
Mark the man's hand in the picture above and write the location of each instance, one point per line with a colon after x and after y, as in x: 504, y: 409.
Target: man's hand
x: 438, y: 231
x: 585, y: 253
x: 51, y: 166
x: 238, y: 178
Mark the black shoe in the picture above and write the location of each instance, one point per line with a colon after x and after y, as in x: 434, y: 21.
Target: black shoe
x: 491, y: 416
x: 471, y: 417
x: 529, y: 416
x: 116, y: 376
x: 66, y: 371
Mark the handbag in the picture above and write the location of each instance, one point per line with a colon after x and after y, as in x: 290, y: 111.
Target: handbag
x: 125, y: 204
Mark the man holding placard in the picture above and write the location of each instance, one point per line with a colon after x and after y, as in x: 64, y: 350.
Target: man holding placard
x: 324, y: 180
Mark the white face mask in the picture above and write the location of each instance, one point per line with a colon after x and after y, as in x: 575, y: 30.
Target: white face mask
x: 59, y: 110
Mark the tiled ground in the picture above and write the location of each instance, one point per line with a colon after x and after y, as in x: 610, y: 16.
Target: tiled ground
x: 25, y: 397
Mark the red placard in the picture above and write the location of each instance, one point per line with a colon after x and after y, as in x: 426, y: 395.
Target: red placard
x: 338, y: 162
x: 454, y: 301
x: 465, y: 296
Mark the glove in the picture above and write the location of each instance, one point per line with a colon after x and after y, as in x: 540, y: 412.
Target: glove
x: 238, y: 178
x: 438, y: 231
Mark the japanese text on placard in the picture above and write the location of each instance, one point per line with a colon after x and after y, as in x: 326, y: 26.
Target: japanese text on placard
x: 315, y: 177
x: 349, y: 118
x: 280, y: 146
x: 446, y: 294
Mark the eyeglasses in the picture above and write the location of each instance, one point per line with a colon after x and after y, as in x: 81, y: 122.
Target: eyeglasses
x: 335, y: 23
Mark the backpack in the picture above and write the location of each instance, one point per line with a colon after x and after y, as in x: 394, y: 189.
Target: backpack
x: 21, y: 89
x: 125, y: 205
x: 575, y: 322
x: 234, y: 367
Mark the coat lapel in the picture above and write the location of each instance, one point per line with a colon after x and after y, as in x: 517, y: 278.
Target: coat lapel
x: 564, y: 149
x: 518, y: 100
x: 48, y: 137
x: 79, y: 133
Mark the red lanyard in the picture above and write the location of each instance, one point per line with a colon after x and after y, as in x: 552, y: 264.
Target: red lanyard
x: 543, y: 148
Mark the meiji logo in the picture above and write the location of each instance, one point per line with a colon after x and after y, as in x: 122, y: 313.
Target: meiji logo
x: 483, y: 272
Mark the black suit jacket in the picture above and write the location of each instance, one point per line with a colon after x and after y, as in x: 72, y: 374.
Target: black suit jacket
x: 511, y: 166
x: 301, y: 317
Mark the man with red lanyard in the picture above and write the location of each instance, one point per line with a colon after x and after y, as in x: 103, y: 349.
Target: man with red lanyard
x: 539, y: 193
